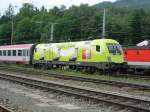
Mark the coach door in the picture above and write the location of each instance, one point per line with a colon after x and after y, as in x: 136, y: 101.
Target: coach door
x: 50, y: 54
x: 47, y: 54
x: 25, y: 54
x: 76, y: 53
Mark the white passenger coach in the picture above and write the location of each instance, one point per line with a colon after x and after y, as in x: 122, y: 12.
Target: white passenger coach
x: 16, y: 53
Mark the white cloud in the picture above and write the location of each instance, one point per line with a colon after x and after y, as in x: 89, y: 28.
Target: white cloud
x: 47, y: 3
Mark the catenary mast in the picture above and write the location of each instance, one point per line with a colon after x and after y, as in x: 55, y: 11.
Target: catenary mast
x: 104, y: 24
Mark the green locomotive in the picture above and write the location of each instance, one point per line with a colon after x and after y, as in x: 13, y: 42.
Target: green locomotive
x: 102, y: 54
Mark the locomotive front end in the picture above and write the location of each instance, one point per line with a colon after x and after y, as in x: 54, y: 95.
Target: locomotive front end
x: 111, y: 55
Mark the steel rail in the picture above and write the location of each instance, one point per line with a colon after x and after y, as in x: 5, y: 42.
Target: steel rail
x: 4, y: 109
x: 138, y: 104
x: 100, y: 81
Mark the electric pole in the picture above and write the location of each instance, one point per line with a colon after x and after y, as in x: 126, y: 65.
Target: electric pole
x: 52, y: 31
x: 12, y: 22
x: 12, y: 31
x: 104, y: 24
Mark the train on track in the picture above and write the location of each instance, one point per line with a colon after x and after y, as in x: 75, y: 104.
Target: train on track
x: 138, y: 57
x: 98, y: 54
x: 101, y: 54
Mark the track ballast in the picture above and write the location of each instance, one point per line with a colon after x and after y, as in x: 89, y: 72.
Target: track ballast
x: 127, y: 102
x: 79, y: 78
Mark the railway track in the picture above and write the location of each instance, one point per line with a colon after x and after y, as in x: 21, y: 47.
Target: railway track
x: 124, y: 101
x: 4, y: 109
x: 134, y: 76
x: 91, y: 80
x: 107, y: 82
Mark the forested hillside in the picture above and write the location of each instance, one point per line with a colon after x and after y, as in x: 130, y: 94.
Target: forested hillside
x: 133, y: 4
x: 32, y: 25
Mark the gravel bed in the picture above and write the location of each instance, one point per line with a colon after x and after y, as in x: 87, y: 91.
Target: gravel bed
x: 7, y: 104
x: 123, y: 90
x: 27, y: 99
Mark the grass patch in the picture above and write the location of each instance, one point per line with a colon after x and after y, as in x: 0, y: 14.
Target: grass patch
x: 101, y: 76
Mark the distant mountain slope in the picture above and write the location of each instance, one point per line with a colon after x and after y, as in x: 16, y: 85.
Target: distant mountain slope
x: 145, y: 4
x: 104, y: 5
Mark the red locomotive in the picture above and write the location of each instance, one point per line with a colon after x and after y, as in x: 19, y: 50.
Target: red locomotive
x: 138, y: 57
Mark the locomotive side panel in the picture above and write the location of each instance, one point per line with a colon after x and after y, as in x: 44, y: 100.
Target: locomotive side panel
x: 144, y: 55
x: 130, y: 55
x: 137, y: 55
x: 137, y: 58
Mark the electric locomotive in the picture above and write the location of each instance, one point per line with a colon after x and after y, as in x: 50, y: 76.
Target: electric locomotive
x: 102, y: 54
x: 138, y: 57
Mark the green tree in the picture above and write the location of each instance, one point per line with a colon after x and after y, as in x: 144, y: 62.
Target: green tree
x: 32, y: 25
x: 137, y: 25
x: 5, y: 33
x: 24, y: 31
x: 27, y: 10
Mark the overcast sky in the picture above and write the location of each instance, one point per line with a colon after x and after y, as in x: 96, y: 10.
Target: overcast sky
x: 47, y: 3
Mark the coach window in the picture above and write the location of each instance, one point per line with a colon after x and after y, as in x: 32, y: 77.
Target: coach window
x: 14, y: 52
x: 19, y: 52
x: 4, y: 53
x: 9, y: 52
x: 0, y: 53
x: 24, y: 52
x: 28, y: 53
x: 97, y: 48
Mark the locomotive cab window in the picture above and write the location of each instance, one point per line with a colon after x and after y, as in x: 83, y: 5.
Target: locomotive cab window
x: 111, y: 48
x: 97, y: 48
x: 0, y: 53
x: 118, y: 48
